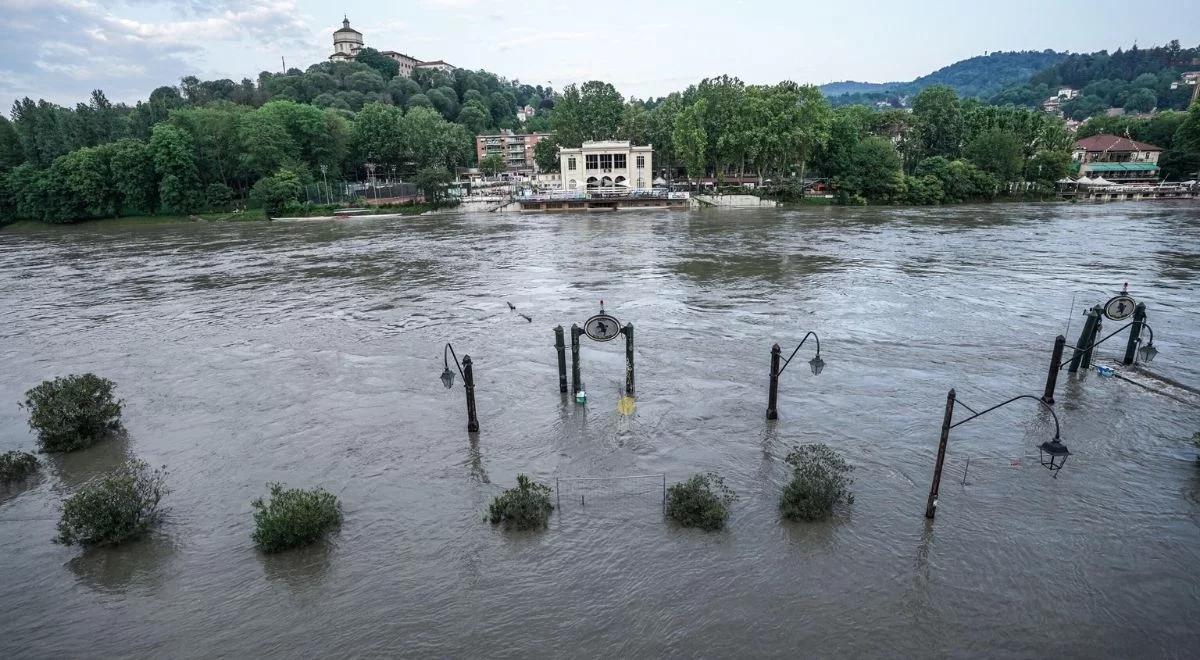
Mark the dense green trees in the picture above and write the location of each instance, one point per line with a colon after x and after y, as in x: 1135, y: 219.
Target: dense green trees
x: 238, y: 133
x: 946, y: 151
x: 1182, y: 161
x: 691, y: 139
x: 592, y: 111
x: 545, y: 154
x: 200, y: 158
x: 492, y: 164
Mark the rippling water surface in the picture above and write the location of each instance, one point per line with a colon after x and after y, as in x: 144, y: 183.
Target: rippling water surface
x: 309, y: 353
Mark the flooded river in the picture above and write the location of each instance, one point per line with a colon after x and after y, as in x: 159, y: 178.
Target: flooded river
x: 309, y: 353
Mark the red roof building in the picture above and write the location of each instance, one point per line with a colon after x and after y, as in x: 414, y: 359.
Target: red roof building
x: 1117, y: 159
x: 1114, y: 145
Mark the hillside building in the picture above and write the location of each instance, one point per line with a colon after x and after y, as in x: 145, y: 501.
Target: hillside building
x: 347, y: 42
x: 407, y: 62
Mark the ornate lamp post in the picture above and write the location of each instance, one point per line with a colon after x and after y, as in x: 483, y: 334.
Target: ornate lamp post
x: 816, y: 364
x: 468, y: 377
x: 1053, y: 452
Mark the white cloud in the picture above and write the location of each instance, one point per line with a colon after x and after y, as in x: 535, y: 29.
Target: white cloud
x: 66, y: 48
x: 530, y: 38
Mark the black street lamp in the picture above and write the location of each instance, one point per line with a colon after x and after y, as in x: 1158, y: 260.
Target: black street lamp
x: 816, y: 365
x: 1053, y: 455
x: 468, y: 377
x: 1053, y: 452
x: 1148, y: 352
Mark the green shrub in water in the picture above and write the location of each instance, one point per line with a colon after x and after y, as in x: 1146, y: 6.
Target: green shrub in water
x: 294, y: 517
x: 702, y: 501
x: 73, y: 412
x: 16, y: 465
x: 525, y: 507
x: 113, y: 507
x: 820, y: 480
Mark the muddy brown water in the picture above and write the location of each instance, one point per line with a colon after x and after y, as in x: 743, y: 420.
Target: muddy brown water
x: 309, y: 353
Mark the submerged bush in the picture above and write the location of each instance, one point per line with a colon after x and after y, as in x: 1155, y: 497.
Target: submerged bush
x: 294, y: 517
x: 525, y: 507
x: 113, y: 507
x: 820, y: 479
x: 73, y: 412
x: 16, y: 465
x: 702, y: 501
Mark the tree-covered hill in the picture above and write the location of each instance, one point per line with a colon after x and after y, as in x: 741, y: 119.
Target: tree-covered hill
x: 975, y: 77
x: 1138, y: 80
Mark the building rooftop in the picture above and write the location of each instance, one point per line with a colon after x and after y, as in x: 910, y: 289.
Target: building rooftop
x: 1113, y: 143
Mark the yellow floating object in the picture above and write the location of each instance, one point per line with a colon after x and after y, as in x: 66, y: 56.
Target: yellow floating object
x: 626, y: 405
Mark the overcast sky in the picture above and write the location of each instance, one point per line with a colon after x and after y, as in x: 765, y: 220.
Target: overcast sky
x: 62, y: 49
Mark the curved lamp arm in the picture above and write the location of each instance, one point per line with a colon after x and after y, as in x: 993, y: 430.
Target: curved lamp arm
x: 789, y: 358
x: 446, y: 361
x: 1000, y: 405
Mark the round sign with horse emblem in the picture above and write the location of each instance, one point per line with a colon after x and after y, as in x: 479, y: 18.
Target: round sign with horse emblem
x: 1119, y: 308
x: 602, y: 327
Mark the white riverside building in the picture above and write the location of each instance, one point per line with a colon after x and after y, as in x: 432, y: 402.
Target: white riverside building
x: 607, y: 165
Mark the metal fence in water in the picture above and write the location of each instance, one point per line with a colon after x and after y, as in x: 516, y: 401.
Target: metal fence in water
x: 353, y: 192
x: 637, y: 494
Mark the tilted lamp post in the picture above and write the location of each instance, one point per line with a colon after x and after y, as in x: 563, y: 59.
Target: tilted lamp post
x: 1053, y: 452
x: 816, y: 365
x: 468, y: 377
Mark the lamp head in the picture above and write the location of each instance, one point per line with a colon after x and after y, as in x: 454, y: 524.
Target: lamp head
x: 1148, y: 353
x: 1053, y: 454
x: 816, y: 364
x: 447, y: 378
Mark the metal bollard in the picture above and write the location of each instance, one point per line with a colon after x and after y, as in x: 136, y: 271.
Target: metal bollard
x: 628, y: 332
x: 1055, y: 362
x: 1135, y: 333
x: 469, y: 384
x: 561, y: 348
x: 773, y: 392
x: 576, y: 380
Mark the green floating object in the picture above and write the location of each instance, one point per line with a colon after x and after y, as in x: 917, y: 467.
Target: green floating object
x: 581, y: 397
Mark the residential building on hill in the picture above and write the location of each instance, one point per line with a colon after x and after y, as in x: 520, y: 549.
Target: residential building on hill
x: 607, y: 164
x: 407, y: 62
x: 1117, y: 159
x: 347, y: 42
x: 438, y: 65
x: 515, y: 149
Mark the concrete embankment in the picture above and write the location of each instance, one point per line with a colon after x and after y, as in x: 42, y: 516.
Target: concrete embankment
x: 732, y: 201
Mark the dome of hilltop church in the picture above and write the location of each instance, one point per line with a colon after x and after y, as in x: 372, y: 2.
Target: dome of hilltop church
x: 346, y: 27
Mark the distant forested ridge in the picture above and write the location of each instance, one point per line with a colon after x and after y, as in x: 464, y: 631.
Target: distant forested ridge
x: 975, y: 77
